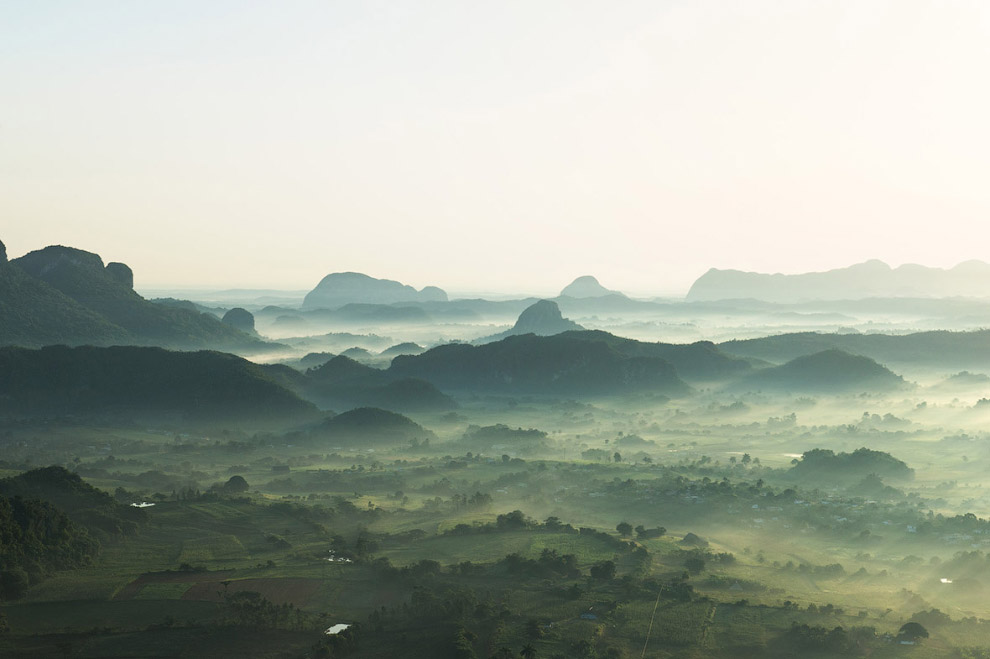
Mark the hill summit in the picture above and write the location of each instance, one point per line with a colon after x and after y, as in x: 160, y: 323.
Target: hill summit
x: 586, y: 286
x: 542, y: 318
x: 826, y: 371
x: 340, y: 288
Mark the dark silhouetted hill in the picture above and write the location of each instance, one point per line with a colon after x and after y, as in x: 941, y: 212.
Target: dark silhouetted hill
x: 537, y: 364
x: 829, y: 371
x: 370, y: 426
x: 700, y: 361
x: 343, y: 370
x: 84, y: 504
x: 33, y: 314
x: 140, y: 382
x: 106, y: 293
x: 340, y: 288
x: 342, y: 382
x: 314, y: 359
x: 240, y: 319
x: 406, y: 395
x: 407, y: 348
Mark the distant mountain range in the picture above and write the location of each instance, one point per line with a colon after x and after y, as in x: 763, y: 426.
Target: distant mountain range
x: 340, y: 288
x: 872, y: 279
x: 941, y: 348
x: 65, y: 295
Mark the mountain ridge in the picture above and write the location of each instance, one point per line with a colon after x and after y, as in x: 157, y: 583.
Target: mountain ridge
x: 869, y: 279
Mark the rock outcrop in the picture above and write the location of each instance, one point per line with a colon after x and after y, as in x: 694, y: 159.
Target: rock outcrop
x: 544, y: 319
x: 120, y: 273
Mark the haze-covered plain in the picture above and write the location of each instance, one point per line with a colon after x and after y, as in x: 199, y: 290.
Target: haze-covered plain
x: 368, y: 469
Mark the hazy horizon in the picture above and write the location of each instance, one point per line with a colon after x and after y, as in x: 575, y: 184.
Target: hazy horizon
x: 508, y: 147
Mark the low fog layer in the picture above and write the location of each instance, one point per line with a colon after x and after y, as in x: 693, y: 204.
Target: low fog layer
x: 542, y: 475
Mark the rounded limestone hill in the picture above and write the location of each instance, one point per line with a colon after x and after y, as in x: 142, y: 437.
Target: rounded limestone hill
x: 371, y: 426
x: 585, y: 287
x: 407, y: 348
x: 340, y: 288
x: 542, y: 318
x: 241, y: 319
x: 828, y: 371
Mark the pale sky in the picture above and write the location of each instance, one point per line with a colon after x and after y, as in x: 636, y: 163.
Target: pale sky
x: 500, y: 146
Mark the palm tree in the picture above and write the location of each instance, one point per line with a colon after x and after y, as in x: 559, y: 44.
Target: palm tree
x: 528, y: 652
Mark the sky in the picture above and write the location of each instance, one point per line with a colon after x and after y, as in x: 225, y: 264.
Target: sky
x: 495, y: 146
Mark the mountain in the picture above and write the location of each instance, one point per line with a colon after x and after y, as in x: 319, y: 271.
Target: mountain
x: 940, y: 348
x: 540, y: 364
x: 542, y: 318
x: 141, y: 382
x: 829, y: 371
x: 864, y: 280
x: 33, y: 314
x: 340, y: 288
x: 586, y: 286
x: 99, y: 306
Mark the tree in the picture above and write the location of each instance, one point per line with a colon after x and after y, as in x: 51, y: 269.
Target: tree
x: 694, y: 564
x: 644, y: 533
x: 13, y: 584
x: 528, y: 652
x: 461, y: 645
x: 604, y: 570
x: 617, y: 457
x: 236, y: 485
x: 534, y: 630
x: 912, y: 631
x: 624, y: 528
